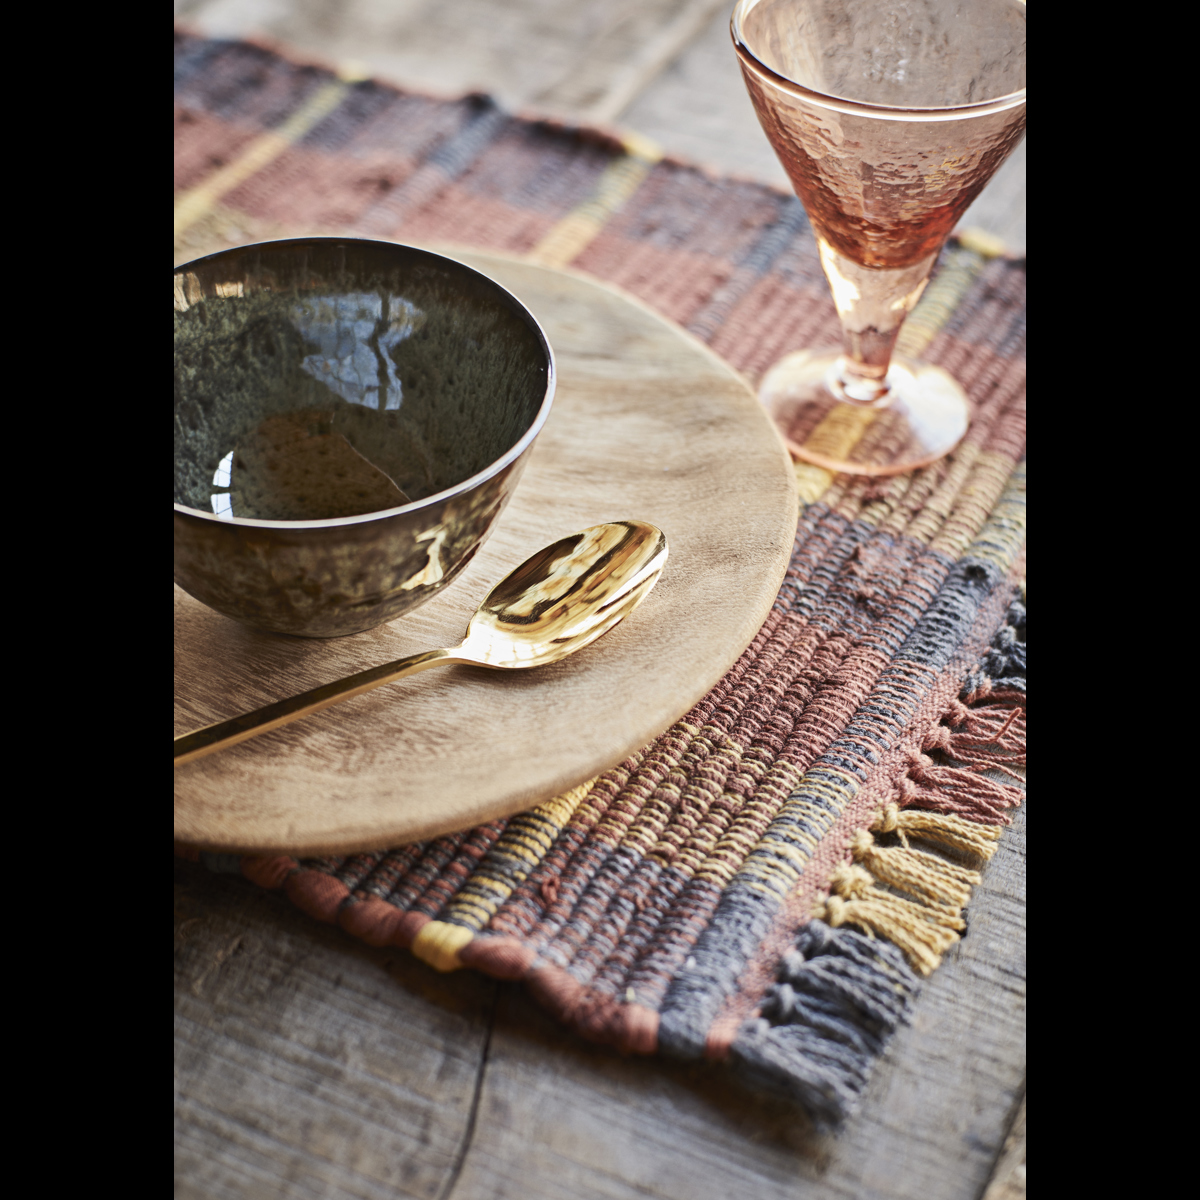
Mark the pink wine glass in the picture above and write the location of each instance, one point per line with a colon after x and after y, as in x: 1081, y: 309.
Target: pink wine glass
x: 889, y: 117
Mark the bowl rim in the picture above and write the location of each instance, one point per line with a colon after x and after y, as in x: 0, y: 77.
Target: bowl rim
x: 510, y: 456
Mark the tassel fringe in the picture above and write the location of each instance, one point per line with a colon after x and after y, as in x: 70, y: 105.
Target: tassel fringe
x: 895, y: 908
x: 915, y: 897
x: 924, y: 927
x: 988, y: 738
x: 944, y: 829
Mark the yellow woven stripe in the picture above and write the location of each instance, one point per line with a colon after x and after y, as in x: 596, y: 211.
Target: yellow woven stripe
x: 992, y: 477
x: 732, y: 855
x: 1003, y: 534
x: 962, y: 267
x: 655, y: 833
x: 438, y: 944
x: 835, y: 436
x: 675, y: 747
x: 931, y: 500
x: 578, y: 229
x: 473, y: 913
x: 527, y: 839
x: 838, y: 434
x: 778, y: 860
x: 192, y: 205
x: 734, y: 845
x: 682, y: 845
x: 982, y: 242
x: 754, y: 769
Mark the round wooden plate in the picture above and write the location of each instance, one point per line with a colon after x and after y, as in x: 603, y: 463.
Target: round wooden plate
x: 647, y: 424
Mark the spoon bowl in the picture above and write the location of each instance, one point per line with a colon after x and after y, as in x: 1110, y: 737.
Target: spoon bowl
x: 556, y: 602
x: 566, y: 596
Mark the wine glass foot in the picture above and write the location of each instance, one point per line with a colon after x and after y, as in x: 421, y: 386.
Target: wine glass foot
x: 921, y: 418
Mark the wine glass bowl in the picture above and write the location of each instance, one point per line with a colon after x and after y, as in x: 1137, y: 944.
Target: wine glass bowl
x: 890, y: 117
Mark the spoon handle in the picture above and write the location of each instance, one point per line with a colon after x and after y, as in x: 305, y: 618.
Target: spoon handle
x: 211, y: 738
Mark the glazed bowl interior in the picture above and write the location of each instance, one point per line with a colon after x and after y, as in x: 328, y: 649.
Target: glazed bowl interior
x: 324, y: 380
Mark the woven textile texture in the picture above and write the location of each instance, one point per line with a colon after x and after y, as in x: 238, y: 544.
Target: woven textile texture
x: 770, y: 880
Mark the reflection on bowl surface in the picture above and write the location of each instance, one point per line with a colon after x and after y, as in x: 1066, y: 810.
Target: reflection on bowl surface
x: 350, y: 418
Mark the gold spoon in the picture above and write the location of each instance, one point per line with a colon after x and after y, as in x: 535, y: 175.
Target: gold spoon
x: 555, y: 603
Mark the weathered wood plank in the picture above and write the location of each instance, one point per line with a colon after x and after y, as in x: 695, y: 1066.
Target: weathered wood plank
x: 307, y: 1064
x: 698, y: 108
x: 582, y: 60
x: 1008, y: 1180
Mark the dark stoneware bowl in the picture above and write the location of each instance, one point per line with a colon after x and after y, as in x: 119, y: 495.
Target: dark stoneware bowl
x: 351, y: 417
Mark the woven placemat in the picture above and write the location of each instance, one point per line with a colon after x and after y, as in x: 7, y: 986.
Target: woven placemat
x: 768, y: 882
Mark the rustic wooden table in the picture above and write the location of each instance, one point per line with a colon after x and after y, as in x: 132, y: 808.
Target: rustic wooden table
x: 309, y: 1065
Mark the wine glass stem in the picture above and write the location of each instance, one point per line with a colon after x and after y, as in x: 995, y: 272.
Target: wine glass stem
x: 872, y: 303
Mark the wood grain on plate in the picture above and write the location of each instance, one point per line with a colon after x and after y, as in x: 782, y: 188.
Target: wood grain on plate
x: 647, y: 423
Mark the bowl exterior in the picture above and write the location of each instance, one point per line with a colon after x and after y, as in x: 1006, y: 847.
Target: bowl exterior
x: 336, y: 579
x: 332, y: 578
